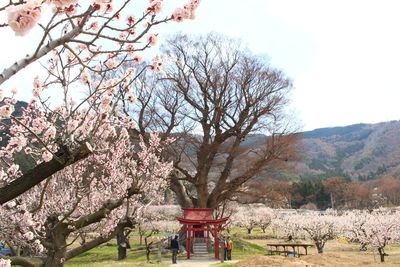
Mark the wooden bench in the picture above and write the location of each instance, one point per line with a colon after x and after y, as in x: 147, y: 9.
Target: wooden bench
x: 284, y: 248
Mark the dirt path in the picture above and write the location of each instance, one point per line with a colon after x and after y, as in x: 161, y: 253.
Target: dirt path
x: 197, y: 263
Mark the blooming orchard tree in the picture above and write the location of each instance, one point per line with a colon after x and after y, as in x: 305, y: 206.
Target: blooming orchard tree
x: 353, y: 227
x: 319, y: 228
x: 250, y: 216
x: 245, y: 217
x: 82, y: 44
x: 377, y: 228
x: 94, y: 195
x: 152, y: 219
x: 265, y: 215
x: 287, y: 228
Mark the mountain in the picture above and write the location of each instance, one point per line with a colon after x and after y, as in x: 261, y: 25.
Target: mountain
x: 358, y: 152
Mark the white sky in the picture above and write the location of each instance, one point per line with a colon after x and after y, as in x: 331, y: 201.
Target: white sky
x: 343, y: 55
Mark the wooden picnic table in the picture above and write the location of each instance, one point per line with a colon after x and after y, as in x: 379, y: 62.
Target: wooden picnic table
x: 275, y: 248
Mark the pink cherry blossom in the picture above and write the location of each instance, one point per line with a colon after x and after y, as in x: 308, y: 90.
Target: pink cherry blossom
x: 6, y: 110
x: 157, y: 64
x: 179, y: 14
x: 154, y: 7
x: 5, y: 263
x: 63, y: 3
x: 47, y: 156
x: 131, y: 20
x: 152, y: 39
x: 22, y: 18
x: 137, y: 59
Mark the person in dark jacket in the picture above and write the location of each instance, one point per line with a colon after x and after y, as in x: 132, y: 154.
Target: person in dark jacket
x: 175, y: 248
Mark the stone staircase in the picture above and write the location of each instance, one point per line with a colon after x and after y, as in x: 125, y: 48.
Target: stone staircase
x: 200, y: 250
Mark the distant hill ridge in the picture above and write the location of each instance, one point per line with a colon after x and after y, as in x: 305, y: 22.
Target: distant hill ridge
x: 360, y: 151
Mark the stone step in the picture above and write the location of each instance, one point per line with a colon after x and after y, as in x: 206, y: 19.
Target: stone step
x: 198, y: 257
x: 200, y: 252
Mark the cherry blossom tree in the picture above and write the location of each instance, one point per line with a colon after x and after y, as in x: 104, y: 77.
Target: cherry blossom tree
x: 152, y: 220
x: 80, y: 44
x: 377, y: 228
x: 97, y: 194
x: 354, y: 225
x: 286, y: 227
x: 252, y: 215
x: 318, y: 228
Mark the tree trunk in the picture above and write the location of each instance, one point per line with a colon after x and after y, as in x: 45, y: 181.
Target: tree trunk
x: 249, y: 230
x: 332, y: 202
x: 179, y: 189
x: 382, y: 254
x: 202, y: 196
x: 148, y: 249
x: 56, y: 235
x: 122, y: 244
x: 56, y: 255
x: 320, y: 246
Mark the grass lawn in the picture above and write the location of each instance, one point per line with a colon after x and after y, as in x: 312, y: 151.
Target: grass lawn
x: 249, y: 252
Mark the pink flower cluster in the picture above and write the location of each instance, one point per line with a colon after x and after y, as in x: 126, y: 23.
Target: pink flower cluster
x: 155, y: 7
x: 187, y: 12
x: 22, y: 18
x: 5, y: 263
x: 157, y: 64
x: 63, y: 3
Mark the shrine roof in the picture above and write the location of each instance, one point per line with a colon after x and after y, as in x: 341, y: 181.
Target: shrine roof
x: 198, y: 214
x: 207, y: 222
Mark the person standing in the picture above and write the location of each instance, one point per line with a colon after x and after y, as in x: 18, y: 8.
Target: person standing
x: 175, y: 248
x: 229, y: 247
x: 225, y: 248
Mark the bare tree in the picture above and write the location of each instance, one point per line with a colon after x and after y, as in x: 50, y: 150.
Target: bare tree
x: 215, y: 97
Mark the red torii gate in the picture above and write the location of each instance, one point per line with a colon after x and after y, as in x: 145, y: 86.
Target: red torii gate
x: 197, y: 222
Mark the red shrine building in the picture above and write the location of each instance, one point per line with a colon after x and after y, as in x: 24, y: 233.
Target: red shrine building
x: 200, y: 226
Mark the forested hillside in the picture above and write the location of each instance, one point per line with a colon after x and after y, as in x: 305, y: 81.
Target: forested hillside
x: 359, y: 152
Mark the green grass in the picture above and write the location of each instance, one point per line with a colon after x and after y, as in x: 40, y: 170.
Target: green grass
x: 107, y: 256
x: 223, y: 265
x: 243, y: 248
